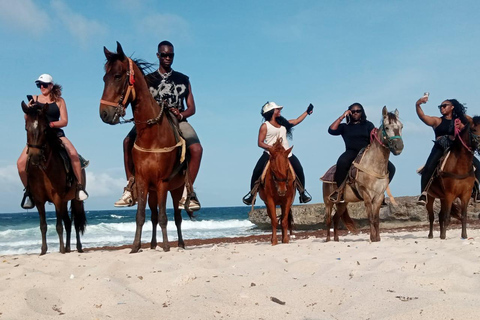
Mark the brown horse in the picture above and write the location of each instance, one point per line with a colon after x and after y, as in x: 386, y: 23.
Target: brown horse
x: 455, y: 179
x: 279, y: 189
x: 154, y: 154
x: 372, y: 178
x: 48, y: 180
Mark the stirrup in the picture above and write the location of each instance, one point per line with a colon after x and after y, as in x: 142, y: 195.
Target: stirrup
x: 336, y: 197
x: 305, y: 197
x: 27, y: 200
x: 192, y: 203
x: 422, y: 200
x: 248, y: 199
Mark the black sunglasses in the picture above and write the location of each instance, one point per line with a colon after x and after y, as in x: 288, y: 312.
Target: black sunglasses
x: 166, y: 55
x: 356, y: 111
x: 443, y: 105
x: 42, y: 84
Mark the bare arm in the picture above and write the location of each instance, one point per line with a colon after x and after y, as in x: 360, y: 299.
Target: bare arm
x: 299, y: 119
x: 336, y: 123
x: 262, y: 134
x: 63, y: 115
x: 428, y: 120
x: 191, y: 109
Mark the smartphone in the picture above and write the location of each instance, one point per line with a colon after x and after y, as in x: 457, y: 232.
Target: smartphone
x: 426, y: 94
x: 347, y: 119
x: 29, y: 97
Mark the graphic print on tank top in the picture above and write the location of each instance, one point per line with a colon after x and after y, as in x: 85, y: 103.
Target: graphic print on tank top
x: 173, y: 88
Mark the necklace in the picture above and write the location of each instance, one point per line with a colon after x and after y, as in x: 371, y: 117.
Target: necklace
x: 166, y: 74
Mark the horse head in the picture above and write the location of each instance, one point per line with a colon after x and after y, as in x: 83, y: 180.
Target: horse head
x: 36, y: 125
x: 392, y: 131
x: 280, y: 167
x: 473, y: 126
x: 119, y: 85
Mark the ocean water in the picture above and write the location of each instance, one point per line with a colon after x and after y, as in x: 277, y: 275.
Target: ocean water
x: 20, y: 232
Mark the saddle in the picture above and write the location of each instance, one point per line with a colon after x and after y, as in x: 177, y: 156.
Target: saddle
x: 328, y: 177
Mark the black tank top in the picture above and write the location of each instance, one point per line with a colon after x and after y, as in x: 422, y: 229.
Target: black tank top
x: 445, y: 128
x: 53, y: 112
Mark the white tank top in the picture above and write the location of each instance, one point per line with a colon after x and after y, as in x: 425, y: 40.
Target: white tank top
x: 273, y: 133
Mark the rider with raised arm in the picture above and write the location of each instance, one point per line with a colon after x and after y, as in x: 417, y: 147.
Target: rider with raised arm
x: 174, y: 89
x: 356, y: 135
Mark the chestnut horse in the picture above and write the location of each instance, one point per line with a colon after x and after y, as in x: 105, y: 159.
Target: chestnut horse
x: 47, y: 178
x: 155, y: 151
x: 455, y: 179
x: 372, y: 178
x: 279, y: 189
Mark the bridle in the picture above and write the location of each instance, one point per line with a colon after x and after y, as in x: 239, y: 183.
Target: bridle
x: 128, y: 90
x: 387, y: 141
x: 276, y: 180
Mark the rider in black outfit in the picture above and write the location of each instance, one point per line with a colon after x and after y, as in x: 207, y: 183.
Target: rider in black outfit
x: 356, y: 135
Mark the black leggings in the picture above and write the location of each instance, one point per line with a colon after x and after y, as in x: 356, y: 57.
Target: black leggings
x: 345, y: 161
x: 262, y: 162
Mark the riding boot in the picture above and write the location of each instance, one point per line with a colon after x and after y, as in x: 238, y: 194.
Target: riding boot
x: 27, y: 200
x: 81, y: 194
x: 249, y: 198
x: 305, y: 197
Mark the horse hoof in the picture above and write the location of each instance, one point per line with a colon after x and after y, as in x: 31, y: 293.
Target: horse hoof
x: 430, y: 236
x: 166, y: 249
x: 79, y: 250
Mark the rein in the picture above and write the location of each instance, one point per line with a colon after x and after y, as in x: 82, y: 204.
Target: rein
x: 457, y: 134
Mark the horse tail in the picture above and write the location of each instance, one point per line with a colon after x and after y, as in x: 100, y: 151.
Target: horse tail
x: 348, y: 222
x: 290, y: 221
x: 79, y: 216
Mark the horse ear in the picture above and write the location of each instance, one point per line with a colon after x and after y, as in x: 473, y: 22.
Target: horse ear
x: 24, y: 107
x: 120, y: 51
x: 108, y: 54
x: 396, y: 113
x: 384, y: 111
x: 288, y: 150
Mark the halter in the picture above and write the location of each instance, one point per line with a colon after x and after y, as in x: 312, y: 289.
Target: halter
x: 128, y: 89
x: 374, y: 135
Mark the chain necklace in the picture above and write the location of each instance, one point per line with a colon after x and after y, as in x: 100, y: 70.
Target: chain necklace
x: 166, y: 74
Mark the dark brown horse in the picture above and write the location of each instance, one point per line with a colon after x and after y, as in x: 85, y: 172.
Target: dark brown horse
x: 47, y: 178
x: 455, y: 179
x: 154, y: 154
x: 372, y: 179
x: 279, y: 189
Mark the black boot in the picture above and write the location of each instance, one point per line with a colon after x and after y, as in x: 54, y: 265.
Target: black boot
x: 305, y: 197
x: 422, y: 200
x: 248, y: 199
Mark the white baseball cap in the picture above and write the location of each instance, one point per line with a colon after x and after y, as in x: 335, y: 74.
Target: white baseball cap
x: 44, y: 78
x: 270, y: 106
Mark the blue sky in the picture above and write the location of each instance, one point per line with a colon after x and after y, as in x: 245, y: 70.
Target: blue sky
x: 240, y: 54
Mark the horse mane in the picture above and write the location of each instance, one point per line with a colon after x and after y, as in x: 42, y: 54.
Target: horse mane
x: 144, y: 66
x: 277, y: 146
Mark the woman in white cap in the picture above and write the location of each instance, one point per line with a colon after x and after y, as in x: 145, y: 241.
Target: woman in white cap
x: 58, y: 117
x: 274, y: 127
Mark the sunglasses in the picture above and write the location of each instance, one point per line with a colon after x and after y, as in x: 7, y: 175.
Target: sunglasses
x: 167, y: 55
x: 42, y: 84
x: 356, y: 111
x: 443, y: 105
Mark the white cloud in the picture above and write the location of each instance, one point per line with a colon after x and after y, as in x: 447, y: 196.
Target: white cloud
x: 165, y: 25
x: 24, y: 15
x: 9, y: 179
x: 101, y: 185
x: 79, y: 26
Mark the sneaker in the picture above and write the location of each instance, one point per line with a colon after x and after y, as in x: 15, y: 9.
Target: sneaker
x: 126, y: 200
x: 336, y: 197
x: 422, y: 200
x: 82, y: 195
x: 305, y: 197
x: 181, y: 204
x: 248, y: 199
x: 27, y: 202
x: 193, y: 204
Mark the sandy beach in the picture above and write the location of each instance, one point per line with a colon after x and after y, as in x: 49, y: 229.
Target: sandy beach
x: 405, y: 276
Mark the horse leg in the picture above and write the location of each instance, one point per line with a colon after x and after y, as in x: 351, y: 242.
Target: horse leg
x: 369, y: 208
x: 444, y: 216
x: 61, y: 211
x: 285, y: 218
x: 140, y: 217
x: 464, y: 200
x: 328, y: 217
x: 67, y: 222
x: 341, y: 209
x: 431, y: 216
x: 376, y: 216
x: 152, y: 204
x: 43, y: 226
x: 80, y: 220
x: 273, y: 217
x: 176, y: 195
x: 162, y: 213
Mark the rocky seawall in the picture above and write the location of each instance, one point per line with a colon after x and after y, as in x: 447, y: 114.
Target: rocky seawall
x: 405, y: 214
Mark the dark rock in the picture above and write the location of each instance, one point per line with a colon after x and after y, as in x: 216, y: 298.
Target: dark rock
x: 407, y: 213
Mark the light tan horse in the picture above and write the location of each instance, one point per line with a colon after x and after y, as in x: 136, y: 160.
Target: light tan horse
x: 372, y: 178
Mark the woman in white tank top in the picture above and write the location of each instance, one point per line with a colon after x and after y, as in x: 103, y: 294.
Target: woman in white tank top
x: 275, y: 127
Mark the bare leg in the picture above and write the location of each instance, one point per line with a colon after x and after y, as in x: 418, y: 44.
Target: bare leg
x: 196, y: 151
x: 127, y: 157
x: 72, y: 153
x: 21, y: 165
